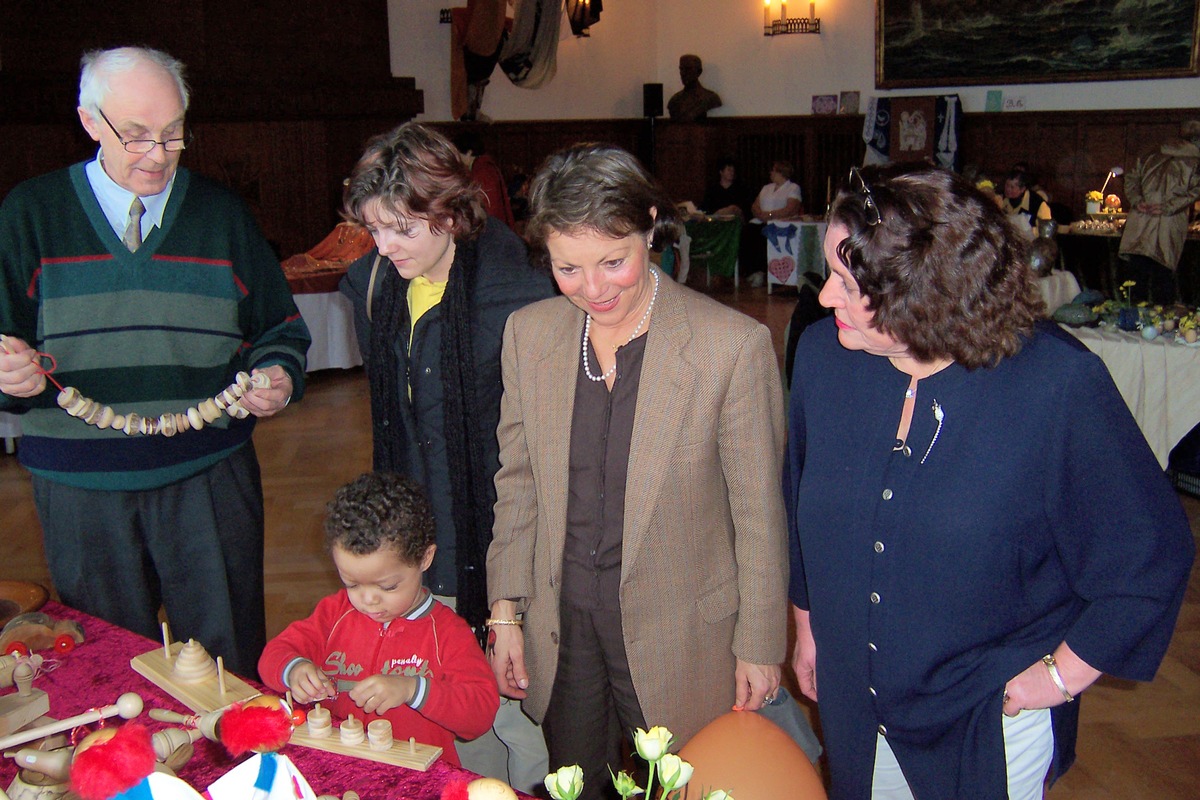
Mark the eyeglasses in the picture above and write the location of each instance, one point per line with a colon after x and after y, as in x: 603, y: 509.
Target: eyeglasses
x: 143, y: 146
x: 859, y: 186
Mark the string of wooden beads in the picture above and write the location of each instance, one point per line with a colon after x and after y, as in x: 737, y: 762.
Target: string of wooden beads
x: 207, y: 411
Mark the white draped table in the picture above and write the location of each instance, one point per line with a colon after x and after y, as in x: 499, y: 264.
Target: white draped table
x: 794, y: 247
x: 1058, y: 288
x: 1159, y: 380
x: 330, y: 320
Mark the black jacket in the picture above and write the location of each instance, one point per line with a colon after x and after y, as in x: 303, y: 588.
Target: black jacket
x: 505, y: 281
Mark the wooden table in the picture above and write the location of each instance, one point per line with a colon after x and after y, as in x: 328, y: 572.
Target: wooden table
x: 1092, y: 253
x: 97, y: 672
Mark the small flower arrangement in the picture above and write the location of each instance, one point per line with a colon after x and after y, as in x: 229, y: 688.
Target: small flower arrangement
x: 1126, y: 292
x: 673, y: 772
x: 1189, y: 327
x: 1093, y: 196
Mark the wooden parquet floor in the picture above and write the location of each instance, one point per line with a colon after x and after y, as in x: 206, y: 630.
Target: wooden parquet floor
x: 1137, y: 741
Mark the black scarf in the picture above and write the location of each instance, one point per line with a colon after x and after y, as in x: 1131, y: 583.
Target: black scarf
x: 468, y: 482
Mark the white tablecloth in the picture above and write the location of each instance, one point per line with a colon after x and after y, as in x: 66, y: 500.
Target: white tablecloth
x: 330, y: 320
x: 794, y: 248
x: 1159, y: 380
x: 1058, y: 288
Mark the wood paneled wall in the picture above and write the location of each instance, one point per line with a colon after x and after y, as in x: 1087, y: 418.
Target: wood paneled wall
x: 290, y: 169
x: 281, y: 104
x: 685, y: 155
x: 1070, y: 153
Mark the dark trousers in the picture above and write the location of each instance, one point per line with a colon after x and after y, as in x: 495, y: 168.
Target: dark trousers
x: 1154, y: 282
x: 195, y: 547
x: 593, y: 706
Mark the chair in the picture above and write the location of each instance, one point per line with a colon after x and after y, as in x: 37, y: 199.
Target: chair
x: 752, y: 758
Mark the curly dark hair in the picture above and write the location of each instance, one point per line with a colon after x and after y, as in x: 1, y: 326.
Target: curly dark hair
x: 597, y: 187
x: 945, y: 273
x: 415, y: 171
x: 380, y: 509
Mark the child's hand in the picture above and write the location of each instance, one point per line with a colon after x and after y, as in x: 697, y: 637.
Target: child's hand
x: 309, y: 684
x: 381, y: 693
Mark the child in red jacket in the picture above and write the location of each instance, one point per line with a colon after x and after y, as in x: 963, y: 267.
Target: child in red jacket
x: 382, y: 646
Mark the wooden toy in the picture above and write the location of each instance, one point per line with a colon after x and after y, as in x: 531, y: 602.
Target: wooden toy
x: 320, y: 724
x: 128, y: 706
x: 38, y: 631
x: 208, y: 698
x: 204, y: 724
x: 379, y: 735
x: 93, y: 413
x: 27, y: 704
x: 201, y: 694
x: 101, y: 416
x: 54, y: 764
x: 408, y: 753
x: 351, y: 731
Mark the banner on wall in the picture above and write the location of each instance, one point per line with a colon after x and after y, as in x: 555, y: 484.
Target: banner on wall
x: 924, y: 128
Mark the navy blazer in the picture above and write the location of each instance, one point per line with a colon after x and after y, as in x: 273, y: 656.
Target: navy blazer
x: 1030, y: 511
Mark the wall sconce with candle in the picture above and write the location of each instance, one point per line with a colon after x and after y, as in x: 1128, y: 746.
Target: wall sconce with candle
x: 789, y: 25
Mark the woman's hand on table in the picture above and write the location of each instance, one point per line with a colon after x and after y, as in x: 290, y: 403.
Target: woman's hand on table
x: 506, y: 652
x: 1035, y: 687
x: 379, y: 694
x: 308, y: 684
x: 804, y: 657
x: 754, y: 684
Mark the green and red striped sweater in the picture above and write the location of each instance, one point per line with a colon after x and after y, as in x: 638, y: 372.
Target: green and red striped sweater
x: 153, y: 331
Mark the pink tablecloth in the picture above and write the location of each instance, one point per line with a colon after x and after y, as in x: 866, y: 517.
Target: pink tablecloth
x: 98, y: 671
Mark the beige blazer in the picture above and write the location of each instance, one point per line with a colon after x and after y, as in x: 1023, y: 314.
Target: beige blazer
x: 704, y: 559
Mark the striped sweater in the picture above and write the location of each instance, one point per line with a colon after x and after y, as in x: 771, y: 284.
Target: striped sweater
x: 153, y: 331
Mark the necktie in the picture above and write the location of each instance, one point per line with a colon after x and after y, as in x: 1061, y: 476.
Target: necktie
x: 133, y: 231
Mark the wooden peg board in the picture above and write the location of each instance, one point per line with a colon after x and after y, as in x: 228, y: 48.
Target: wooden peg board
x: 199, y: 697
x: 205, y: 697
x: 420, y: 758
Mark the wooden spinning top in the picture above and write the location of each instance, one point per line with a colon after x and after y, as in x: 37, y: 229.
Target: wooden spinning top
x: 194, y: 664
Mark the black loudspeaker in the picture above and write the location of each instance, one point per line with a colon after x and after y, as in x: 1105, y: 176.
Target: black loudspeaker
x: 652, y: 100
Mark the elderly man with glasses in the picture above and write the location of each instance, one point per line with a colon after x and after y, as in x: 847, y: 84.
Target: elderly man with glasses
x: 146, y: 288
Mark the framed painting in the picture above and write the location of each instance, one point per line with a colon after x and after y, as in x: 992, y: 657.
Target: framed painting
x: 969, y: 42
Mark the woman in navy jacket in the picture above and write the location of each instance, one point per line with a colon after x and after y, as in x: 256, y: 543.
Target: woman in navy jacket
x: 979, y: 530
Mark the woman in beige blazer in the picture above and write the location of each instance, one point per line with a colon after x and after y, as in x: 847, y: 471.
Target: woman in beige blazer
x: 640, y: 533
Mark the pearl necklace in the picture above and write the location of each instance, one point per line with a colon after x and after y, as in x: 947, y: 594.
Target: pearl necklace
x: 587, y: 327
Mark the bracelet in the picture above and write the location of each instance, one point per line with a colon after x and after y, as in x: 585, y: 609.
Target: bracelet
x: 1055, y: 676
x: 490, y: 622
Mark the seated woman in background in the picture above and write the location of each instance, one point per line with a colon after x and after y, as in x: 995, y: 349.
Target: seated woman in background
x: 726, y: 195
x: 779, y: 198
x: 979, y: 529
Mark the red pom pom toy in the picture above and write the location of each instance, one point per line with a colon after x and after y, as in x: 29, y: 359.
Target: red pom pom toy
x: 262, y: 725
x: 107, y: 764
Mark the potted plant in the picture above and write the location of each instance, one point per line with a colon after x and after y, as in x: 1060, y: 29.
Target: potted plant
x: 1092, y: 201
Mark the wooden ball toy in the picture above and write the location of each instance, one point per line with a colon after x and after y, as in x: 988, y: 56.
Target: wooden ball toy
x: 752, y: 758
x: 490, y: 789
x: 72, y: 401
